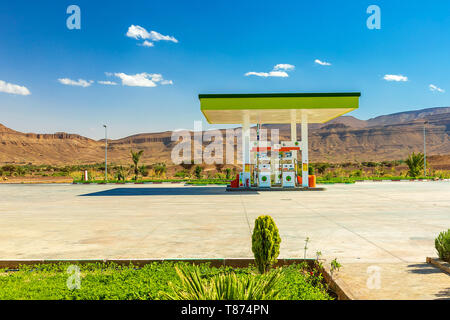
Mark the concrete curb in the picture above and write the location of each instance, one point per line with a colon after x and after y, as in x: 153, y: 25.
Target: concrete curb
x: 336, y: 285
x: 444, y: 266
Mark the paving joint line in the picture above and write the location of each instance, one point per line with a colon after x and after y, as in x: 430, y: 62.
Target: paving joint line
x: 351, y: 231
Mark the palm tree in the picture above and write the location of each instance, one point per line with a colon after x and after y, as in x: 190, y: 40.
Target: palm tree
x: 136, y: 156
x: 415, y: 164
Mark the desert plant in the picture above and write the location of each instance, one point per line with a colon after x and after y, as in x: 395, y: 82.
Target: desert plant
x: 182, y: 174
x: 225, y: 286
x: 135, y: 157
x: 334, y: 265
x: 415, y: 164
x: 159, y: 169
x: 305, y: 249
x: 265, y: 243
x: 442, y: 244
x: 322, y: 167
x: 143, y: 170
x: 120, y: 174
x: 198, y: 172
x: 357, y: 173
x: 228, y: 173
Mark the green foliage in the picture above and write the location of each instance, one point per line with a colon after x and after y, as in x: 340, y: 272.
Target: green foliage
x: 198, y: 172
x: 335, y: 265
x: 321, y: 167
x: 120, y: 174
x: 442, y: 244
x: 228, y: 173
x: 135, y: 157
x: 143, y: 170
x: 357, y: 173
x: 265, y: 243
x: 226, y: 286
x: 182, y: 174
x: 114, y: 282
x: 415, y: 164
x: 159, y: 169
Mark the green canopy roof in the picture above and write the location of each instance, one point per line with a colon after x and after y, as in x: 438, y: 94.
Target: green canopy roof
x: 276, y: 107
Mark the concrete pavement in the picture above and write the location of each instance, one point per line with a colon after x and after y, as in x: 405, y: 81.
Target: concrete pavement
x: 390, y: 224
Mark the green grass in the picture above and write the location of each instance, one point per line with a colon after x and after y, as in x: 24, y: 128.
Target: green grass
x: 194, y: 182
x: 351, y: 180
x: 151, y: 282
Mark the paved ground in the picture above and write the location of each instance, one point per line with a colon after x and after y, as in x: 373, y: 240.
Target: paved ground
x: 390, y: 224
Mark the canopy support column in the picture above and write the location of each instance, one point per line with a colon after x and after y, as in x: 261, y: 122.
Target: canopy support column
x: 305, y: 161
x: 294, y: 134
x: 245, y: 141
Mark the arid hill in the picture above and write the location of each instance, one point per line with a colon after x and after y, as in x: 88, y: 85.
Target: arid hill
x: 388, y: 137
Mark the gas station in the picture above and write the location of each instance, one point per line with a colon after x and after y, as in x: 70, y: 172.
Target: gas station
x: 273, y: 165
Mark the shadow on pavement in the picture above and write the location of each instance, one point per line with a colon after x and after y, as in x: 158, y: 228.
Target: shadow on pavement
x: 423, y: 268
x: 179, y: 191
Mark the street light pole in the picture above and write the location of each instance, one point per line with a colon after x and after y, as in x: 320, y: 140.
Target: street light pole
x: 106, y: 153
x: 424, y: 150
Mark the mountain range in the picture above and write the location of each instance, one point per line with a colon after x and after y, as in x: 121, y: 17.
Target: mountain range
x: 387, y: 137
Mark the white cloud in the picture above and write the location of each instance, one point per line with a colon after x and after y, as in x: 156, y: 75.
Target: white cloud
x: 436, y: 88
x: 395, y: 77
x: 284, y: 66
x: 80, y: 82
x: 147, y: 43
x: 275, y: 72
x: 281, y: 74
x: 108, y: 83
x: 140, y: 33
x: 322, y: 63
x: 142, y: 79
x: 13, y: 88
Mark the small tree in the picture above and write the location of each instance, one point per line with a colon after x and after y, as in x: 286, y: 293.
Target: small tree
x: 415, y: 164
x: 120, y: 174
x: 442, y: 245
x: 198, y: 172
x: 159, y: 168
x: 228, y: 173
x: 136, y: 156
x: 265, y: 243
x: 143, y: 170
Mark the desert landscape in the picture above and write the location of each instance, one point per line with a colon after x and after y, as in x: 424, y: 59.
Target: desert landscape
x: 345, y: 139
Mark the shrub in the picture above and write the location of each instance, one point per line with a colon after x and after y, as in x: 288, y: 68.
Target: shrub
x: 226, y: 286
x: 160, y: 169
x: 120, y: 174
x: 228, y: 173
x: 182, y: 174
x: 198, y: 172
x: 265, y: 243
x: 442, y: 244
x: 143, y: 170
x: 415, y: 164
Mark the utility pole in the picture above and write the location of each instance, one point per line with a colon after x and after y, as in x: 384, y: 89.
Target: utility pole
x: 106, y: 153
x: 424, y: 150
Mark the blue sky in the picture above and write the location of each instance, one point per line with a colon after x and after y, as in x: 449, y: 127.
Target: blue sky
x: 217, y: 43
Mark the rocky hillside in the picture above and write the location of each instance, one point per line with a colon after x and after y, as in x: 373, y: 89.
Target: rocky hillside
x: 388, y: 137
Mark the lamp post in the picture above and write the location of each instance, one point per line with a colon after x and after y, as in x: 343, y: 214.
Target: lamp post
x: 106, y: 153
x: 424, y: 150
